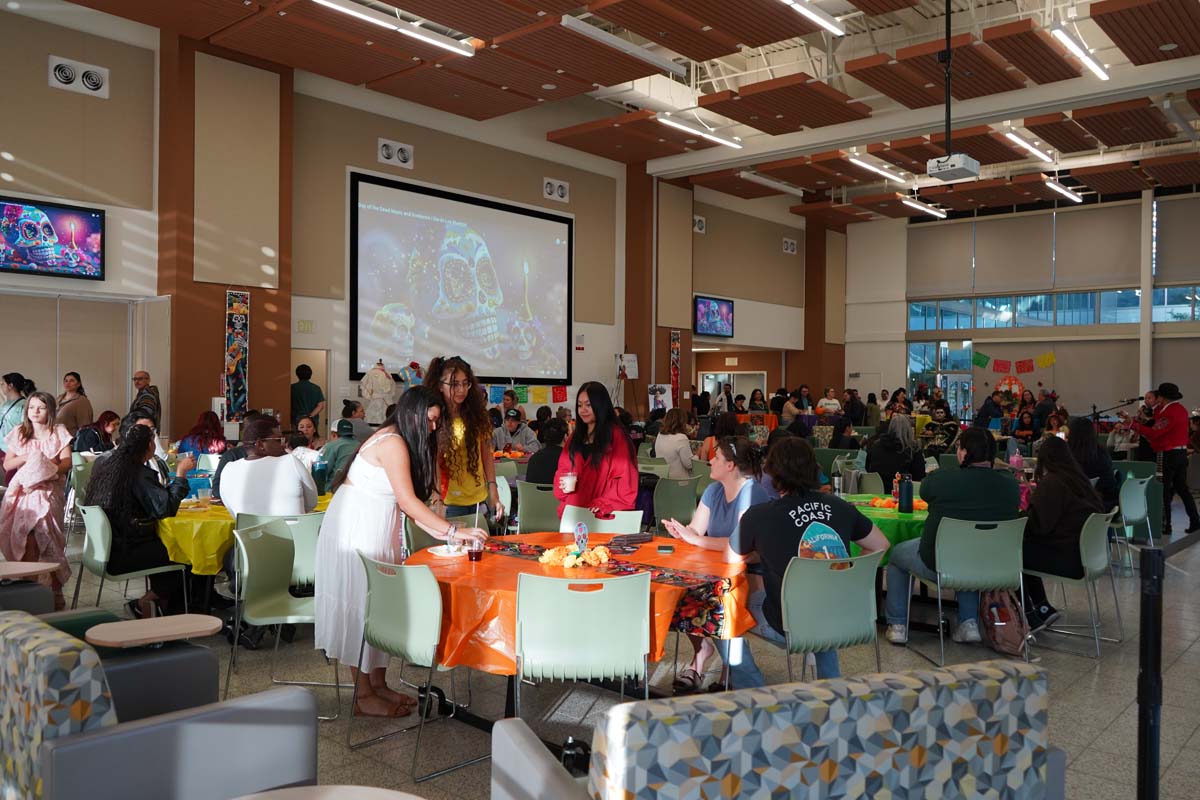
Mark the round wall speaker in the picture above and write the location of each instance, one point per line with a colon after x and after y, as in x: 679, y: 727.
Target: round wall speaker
x: 64, y: 73
x: 92, y: 80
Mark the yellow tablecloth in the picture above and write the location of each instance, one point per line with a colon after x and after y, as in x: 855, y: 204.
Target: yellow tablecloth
x: 201, y: 538
x: 920, y: 421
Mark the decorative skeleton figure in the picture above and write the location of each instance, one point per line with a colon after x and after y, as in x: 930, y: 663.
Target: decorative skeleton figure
x: 392, y: 333
x: 28, y: 231
x: 469, y: 290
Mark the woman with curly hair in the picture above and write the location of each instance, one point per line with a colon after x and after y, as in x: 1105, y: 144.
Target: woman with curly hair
x: 466, y: 468
x: 206, y: 436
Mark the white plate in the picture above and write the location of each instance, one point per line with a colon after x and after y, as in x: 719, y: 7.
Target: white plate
x: 442, y: 551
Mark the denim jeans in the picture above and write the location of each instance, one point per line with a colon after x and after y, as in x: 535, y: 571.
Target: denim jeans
x: 744, y: 673
x: 904, y: 559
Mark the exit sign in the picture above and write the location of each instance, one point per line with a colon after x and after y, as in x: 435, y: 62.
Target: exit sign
x: 304, y: 326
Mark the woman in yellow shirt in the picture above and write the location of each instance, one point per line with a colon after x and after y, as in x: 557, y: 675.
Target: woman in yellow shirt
x: 466, y: 468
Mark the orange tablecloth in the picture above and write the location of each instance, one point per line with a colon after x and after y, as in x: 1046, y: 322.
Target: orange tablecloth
x: 771, y: 421
x: 479, y: 599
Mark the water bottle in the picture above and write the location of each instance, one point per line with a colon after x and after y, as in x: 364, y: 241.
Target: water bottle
x: 906, y: 495
x: 837, y: 485
x: 320, y: 474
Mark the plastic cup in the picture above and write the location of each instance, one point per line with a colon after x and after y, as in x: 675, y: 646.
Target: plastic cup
x: 569, y: 480
x: 475, y: 550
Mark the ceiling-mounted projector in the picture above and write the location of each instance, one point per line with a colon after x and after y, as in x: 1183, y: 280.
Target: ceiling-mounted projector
x: 953, y: 167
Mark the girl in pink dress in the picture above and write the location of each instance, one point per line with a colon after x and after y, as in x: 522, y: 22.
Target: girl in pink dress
x: 31, y: 517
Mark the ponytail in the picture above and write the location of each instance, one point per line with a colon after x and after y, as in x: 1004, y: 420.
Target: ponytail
x: 19, y: 382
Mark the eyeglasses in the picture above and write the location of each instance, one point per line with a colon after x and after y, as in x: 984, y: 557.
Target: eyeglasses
x: 457, y: 384
x: 137, y: 378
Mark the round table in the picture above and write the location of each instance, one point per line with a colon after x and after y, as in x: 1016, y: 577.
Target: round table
x: 202, y: 536
x: 331, y: 793
x: 895, y: 526
x: 479, y: 599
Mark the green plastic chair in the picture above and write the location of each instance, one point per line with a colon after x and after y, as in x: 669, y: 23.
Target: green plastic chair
x: 304, y: 529
x: 553, y: 645
x: 864, y: 431
x: 700, y: 469
x: 674, y: 499
x: 506, y: 468
x: 404, y: 620
x: 622, y: 521
x: 871, y: 483
x: 977, y: 557
x: 1134, y: 505
x: 828, y: 605
x: 1093, y: 551
x: 644, y: 449
x: 539, y: 507
x: 654, y: 467
x: 504, y: 493
x: 208, y: 462
x: 97, y: 549
x: 826, y: 455
x: 262, y: 579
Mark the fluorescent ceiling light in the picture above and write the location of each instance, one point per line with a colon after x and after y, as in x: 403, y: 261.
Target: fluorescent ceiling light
x: 1079, y: 51
x: 878, y: 170
x: 696, y: 130
x: 629, y: 48
x: 928, y: 209
x: 705, y: 349
x: 814, y: 14
x: 1064, y: 191
x: 1020, y: 140
x: 409, y: 29
x: 763, y: 180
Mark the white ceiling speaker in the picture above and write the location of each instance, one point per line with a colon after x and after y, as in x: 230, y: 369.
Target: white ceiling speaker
x: 75, y: 76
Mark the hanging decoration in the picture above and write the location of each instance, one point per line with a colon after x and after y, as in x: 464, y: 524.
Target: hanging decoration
x: 559, y: 393
x: 1004, y: 366
x: 1001, y: 366
x: 675, y: 336
x: 237, y: 354
x: 522, y: 393
x: 539, y: 395
x: 980, y: 360
x: 1024, y: 365
x: 1046, y: 359
x: 496, y: 395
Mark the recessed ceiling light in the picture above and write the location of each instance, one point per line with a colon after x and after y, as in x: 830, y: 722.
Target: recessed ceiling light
x: 549, y: 87
x: 369, y: 43
x: 7, y: 156
x: 689, y: 141
x: 1167, y: 47
x: 820, y: 183
x: 4, y: 176
x: 13, y: 6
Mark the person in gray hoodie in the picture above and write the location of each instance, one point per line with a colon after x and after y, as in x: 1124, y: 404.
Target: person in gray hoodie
x: 515, y: 434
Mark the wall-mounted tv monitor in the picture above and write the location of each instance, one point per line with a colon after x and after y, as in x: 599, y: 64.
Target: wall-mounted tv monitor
x: 41, y: 238
x: 712, y: 316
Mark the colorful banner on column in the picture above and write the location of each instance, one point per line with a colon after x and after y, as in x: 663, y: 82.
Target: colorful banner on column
x: 675, y: 369
x: 237, y: 354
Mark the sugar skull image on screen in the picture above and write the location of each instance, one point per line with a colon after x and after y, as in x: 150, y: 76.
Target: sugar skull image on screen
x: 392, y: 328
x: 33, y: 239
x: 469, y: 291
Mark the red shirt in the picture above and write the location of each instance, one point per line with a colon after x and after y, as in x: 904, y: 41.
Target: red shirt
x: 1170, y: 428
x: 611, y: 486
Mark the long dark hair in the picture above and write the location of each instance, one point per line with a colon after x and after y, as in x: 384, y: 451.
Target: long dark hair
x: 608, y: 432
x: 1083, y: 444
x: 410, y: 419
x: 51, y: 407
x: 100, y: 426
x: 473, y: 412
x: 111, y: 486
x: 19, y: 382
x: 1054, y: 458
x: 726, y: 424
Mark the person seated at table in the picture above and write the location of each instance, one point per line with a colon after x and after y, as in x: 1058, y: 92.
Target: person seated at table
x: 853, y: 407
x: 976, y: 492
x: 144, y: 417
x: 873, y: 411
x: 829, y: 404
x: 1025, y: 431
x: 939, y: 433
x: 739, y: 404
x: 725, y: 425
x: 896, y: 451
x: 1093, y: 459
x: 1061, y: 502
x: 791, y: 408
x: 652, y: 426
x: 758, y: 402
x: 511, y: 402
x: 544, y: 413
x: 800, y: 428
x: 734, y: 470
x: 775, y: 437
x: 921, y: 399
x: 774, y: 531
x: 991, y: 409
x: 1053, y: 429
x: 1193, y: 431
x: 235, y: 453
x: 357, y: 414
x: 544, y: 463
x: 672, y: 445
x: 515, y: 434
x: 206, y: 436
x: 307, y: 428
x: 267, y: 481
x: 842, y: 438
x: 134, y: 500
x: 600, y: 455
x: 899, y: 404
x: 297, y: 447
x: 691, y: 424
x: 337, y: 452
x: 97, y: 437
x: 777, y: 401
x: 1027, y: 403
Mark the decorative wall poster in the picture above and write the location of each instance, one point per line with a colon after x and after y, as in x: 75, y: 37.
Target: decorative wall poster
x: 539, y: 395
x: 660, y: 396
x: 980, y: 360
x: 1024, y: 365
x: 522, y: 393
x: 558, y: 394
x: 627, y: 366
x: 1001, y: 365
x: 237, y: 354
x: 675, y: 367
x: 496, y: 395
x: 1046, y: 359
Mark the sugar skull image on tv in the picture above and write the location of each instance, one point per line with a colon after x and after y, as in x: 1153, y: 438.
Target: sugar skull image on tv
x: 51, y: 239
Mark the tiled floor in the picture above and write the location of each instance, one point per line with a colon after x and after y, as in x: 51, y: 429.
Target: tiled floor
x: 1093, y: 712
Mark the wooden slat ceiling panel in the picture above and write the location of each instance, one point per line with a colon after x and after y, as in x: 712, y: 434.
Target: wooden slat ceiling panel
x: 619, y: 138
x: 885, y: 152
x: 727, y: 181
x: 349, y: 29
x: 1032, y: 50
x: 1142, y: 28
x: 875, y: 7
x: 504, y: 69
x: 884, y: 74
x: 838, y: 161
x: 802, y: 172
x: 1193, y: 98
x: 1034, y: 185
x: 981, y: 143
x: 483, y: 19
x: 289, y: 40
x: 976, y: 69
x: 889, y: 205
x: 917, y: 148
x: 1128, y: 122
x: 668, y: 27
x: 993, y: 193
x: 785, y: 105
x: 197, y: 19
x: 830, y: 215
x: 1113, y: 178
x: 1180, y: 170
x: 753, y: 23
x: 449, y: 91
x: 948, y: 197
x: 1061, y: 132
x: 556, y: 6
x: 556, y: 47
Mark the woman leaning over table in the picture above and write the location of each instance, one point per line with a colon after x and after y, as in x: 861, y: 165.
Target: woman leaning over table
x: 734, y: 469
x: 600, y: 455
x: 74, y: 408
x: 98, y: 437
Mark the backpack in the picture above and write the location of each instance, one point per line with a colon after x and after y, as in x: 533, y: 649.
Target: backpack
x: 1004, y: 626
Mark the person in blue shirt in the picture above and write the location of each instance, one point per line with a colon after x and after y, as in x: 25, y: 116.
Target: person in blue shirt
x: 735, y: 468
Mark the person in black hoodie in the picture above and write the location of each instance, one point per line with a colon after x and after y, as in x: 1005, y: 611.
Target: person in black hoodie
x: 896, y: 451
x: 544, y: 462
x: 990, y: 410
x: 853, y: 407
x: 781, y: 396
x: 841, y: 440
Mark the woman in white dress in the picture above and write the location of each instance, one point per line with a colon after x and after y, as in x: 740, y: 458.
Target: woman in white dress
x: 391, y: 476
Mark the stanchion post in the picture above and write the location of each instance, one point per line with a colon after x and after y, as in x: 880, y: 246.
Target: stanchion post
x: 1153, y: 568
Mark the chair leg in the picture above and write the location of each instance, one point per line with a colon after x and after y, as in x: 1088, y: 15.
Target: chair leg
x: 1094, y: 613
x: 78, y: 583
x: 237, y: 635
x: 421, y: 727
x: 941, y: 623
x: 357, y: 672
x: 878, y: 660
x: 787, y: 654
x: 183, y: 577
x: 517, y: 690
x: 646, y: 677
x: 1116, y: 606
x: 100, y: 591
x: 622, y: 687
x: 1021, y: 608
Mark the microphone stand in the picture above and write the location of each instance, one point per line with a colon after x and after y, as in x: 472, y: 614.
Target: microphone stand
x: 1096, y: 413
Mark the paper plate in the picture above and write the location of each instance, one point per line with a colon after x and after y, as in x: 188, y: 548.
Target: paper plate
x: 442, y: 551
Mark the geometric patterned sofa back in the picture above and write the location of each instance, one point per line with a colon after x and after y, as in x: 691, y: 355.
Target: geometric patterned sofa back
x: 972, y: 730
x: 51, y: 685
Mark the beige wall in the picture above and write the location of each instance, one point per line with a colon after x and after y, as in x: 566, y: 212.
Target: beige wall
x: 835, y: 287
x: 1076, y: 374
x: 237, y: 174
x: 674, y: 256
x: 742, y: 257
x: 69, y: 145
x: 330, y: 137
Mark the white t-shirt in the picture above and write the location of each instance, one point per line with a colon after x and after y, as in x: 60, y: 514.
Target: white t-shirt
x: 307, y: 456
x: 274, y: 485
x: 830, y: 405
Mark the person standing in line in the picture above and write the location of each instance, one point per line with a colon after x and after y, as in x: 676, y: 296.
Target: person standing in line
x: 307, y: 398
x: 1169, y: 436
x: 147, y: 397
x: 74, y: 408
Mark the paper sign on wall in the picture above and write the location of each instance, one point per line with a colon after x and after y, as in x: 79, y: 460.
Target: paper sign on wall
x: 1046, y: 359
x: 980, y: 360
x: 660, y: 396
x: 1024, y: 365
x: 559, y: 394
x: 627, y: 366
x: 539, y: 395
x: 522, y: 393
x: 1001, y: 366
x: 496, y: 395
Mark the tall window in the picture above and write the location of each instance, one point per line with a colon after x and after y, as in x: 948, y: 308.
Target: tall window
x: 1034, y: 310
x: 922, y: 316
x: 922, y: 362
x: 1120, y: 305
x: 1078, y: 308
x: 956, y: 314
x: 1173, y: 304
x: 993, y: 312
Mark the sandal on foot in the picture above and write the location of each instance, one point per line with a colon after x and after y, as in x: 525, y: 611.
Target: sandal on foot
x: 687, y: 681
x: 394, y: 711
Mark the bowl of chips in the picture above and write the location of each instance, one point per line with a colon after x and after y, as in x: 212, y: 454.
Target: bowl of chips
x: 568, y: 557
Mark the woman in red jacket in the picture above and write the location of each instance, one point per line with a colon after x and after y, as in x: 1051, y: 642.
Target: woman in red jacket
x: 599, y: 455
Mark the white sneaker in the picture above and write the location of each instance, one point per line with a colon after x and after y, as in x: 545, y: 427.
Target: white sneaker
x: 967, y: 632
x: 897, y: 633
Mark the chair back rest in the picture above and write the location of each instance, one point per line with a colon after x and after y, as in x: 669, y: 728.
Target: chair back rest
x: 504, y: 492
x: 554, y: 640
x: 829, y: 604
x: 76, y: 459
x: 97, y: 539
x: 644, y: 449
x: 974, y: 556
x: 1133, y: 502
x: 303, y: 529
x: 622, y: 521
x: 81, y: 474
x: 264, y: 563
x: 675, y: 499
x: 404, y: 610
x: 871, y: 483
x: 1137, y: 469
x: 507, y: 468
x: 417, y: 538
x: 1093, y: 544
x: 651, y: 466
x: 705, y: 476
x: 826, y: 455
x: 538, y: 507
x: 208, y: 462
